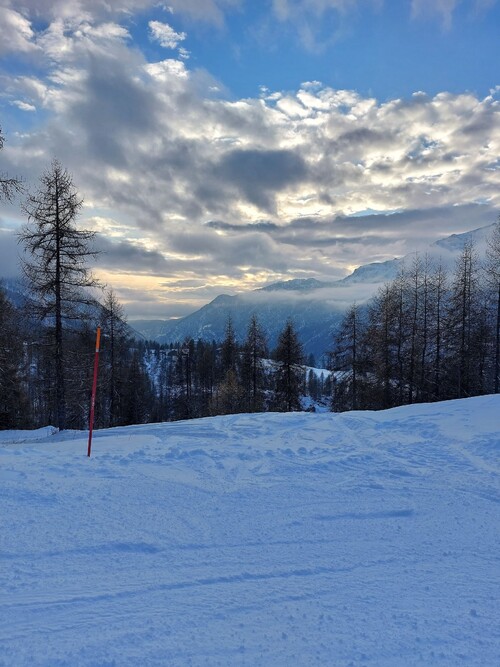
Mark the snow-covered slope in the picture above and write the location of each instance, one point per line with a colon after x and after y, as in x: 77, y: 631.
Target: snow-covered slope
x: 275, y: 539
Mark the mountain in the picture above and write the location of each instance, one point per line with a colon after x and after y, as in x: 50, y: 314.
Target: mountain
x: 14, y: 291
x: 313, y: 318
x: 315, y: 307
x: 376, y: 272
x: 298, y: 284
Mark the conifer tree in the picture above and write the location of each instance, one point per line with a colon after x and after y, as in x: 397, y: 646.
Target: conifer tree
x: 229, y: 348
x: 253, y: 376
x: 56, y: 266
x: 289, y: 376
x: 14, y: 410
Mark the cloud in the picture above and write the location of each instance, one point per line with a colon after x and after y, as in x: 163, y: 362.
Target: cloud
x: 259, y: 174
x: 308, y: 18
x: 286, y: 9
x: 9, y: 253
x: 24, y: 106
x: 165, y: 34
x: 444, y: 8
x: 16, y: 33
x: 209, y: 11
x: 305, y: 183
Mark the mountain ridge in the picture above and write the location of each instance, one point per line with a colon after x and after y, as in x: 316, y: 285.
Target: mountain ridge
x: 315, y: 306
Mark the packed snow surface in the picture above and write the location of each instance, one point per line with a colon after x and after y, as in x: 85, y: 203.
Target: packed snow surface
x: 364, y: 538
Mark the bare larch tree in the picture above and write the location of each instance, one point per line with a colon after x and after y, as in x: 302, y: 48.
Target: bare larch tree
x: 56, y: 264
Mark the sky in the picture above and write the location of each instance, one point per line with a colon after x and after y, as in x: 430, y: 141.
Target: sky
x: 222, y: 145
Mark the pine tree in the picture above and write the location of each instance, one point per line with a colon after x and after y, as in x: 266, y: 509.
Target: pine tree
x: 229, y: 349
x: 56, y: 269
x: 14, y: 409
x: 289, y: 375
x: 253, y: 375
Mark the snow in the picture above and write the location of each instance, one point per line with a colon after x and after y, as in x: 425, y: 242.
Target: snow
x: 363, y: 538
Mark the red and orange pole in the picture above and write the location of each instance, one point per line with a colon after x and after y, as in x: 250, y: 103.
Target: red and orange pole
x: 94, y: 389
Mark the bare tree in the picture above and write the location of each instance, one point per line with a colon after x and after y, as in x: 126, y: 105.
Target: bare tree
x: 346, y: 358
x: 439, y: 293
x: 56, y: 267
x: 115, y: 338
x: 8, y: 186
x: 493, y: 276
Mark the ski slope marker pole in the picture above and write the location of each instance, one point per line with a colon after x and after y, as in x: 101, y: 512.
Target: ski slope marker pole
x: 94, y: 388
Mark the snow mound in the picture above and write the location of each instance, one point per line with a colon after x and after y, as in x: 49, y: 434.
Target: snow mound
x: 10, y: 437
x: 364, y: 538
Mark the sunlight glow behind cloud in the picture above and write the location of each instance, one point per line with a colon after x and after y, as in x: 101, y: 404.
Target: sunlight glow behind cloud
x: 186, y: 183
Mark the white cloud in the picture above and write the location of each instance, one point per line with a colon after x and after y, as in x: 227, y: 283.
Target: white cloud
x: 166, y: 69
x: 151, y: 147
x: 165, y: 34
x: 444, y: 8
x: 210, y: 11
x: 16, y: 33
x: 24, y: 106
x: 286, y: 9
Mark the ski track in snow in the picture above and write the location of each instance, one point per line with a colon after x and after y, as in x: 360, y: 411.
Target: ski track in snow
x: 364, y: 538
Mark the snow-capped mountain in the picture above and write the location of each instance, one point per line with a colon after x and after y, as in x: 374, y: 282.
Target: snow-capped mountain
x: 315, y: 307
x: 313, y: 318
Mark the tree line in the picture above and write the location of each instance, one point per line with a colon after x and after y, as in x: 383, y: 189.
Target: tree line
x: 142, y: 381
x: 428, y: 335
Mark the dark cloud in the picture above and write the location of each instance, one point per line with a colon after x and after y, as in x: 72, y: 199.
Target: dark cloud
x: 244, y: 227
x: 129, y: 258
x: 361, y: 137
x: 259, y: 174
x: 156, y: 154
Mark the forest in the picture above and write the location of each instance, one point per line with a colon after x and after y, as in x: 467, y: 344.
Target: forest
x: 429, y: 335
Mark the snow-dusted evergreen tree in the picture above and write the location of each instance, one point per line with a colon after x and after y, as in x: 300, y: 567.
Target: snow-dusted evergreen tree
x: 55, y: 266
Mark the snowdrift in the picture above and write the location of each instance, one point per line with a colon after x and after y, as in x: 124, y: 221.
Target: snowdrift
x: 365, y: 538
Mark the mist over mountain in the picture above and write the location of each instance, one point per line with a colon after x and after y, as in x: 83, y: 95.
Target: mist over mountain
x: 315, y: 307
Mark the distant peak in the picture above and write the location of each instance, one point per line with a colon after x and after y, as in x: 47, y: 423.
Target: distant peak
x: 297, y: 284
x: 457, y: 241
